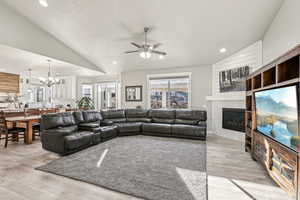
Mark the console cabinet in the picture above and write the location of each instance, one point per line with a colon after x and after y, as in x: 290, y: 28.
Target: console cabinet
x: 281, y: 163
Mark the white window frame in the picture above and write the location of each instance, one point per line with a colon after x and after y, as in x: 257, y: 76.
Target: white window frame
x: 170, y: 75
x: 83, y: 85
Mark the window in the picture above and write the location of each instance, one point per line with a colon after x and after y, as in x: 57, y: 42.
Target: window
x: 87, y: 91
x: 169, y: 92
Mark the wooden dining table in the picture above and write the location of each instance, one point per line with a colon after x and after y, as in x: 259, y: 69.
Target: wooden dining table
x: 28, y: 120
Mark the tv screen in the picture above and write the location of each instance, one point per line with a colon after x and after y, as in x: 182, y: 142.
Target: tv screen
x: 277, y: 115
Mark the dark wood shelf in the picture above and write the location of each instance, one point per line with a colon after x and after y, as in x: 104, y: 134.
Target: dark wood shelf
x: 248, y: 103
x: 256, y: 81
x: 288, y: 70
x: 248, y: 84
x: 269, y: 77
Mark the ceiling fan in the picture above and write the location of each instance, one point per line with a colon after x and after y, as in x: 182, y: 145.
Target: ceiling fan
x: 146, y: 50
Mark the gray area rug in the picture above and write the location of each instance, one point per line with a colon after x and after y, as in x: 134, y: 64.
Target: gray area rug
x: 143, y: 166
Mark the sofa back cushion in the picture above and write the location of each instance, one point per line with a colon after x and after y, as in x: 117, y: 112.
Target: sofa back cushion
x: 191, y: 117
x: 91, y: 116
x: 113, y: 114
x: 50, y: 121
x: 78, y: 117
x: 68, y: 119
x: 136, y: 113
x: 162, y: 116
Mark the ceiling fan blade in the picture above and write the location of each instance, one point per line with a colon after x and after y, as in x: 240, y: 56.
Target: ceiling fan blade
x: 159, y: 52
x: 156, y: 45
x: 136, y: 45
x: 132, y: 51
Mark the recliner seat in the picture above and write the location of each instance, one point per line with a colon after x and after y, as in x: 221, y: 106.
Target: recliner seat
x: 63, y: 133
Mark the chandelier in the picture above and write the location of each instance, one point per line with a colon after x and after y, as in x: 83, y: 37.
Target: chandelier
x: 50, y: 80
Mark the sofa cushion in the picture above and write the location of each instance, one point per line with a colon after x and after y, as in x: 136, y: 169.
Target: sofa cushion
x: 113, y: 114
x: 129, y: 127
x: 156, y: 128
x: 68, y: 119
x: 164, y: 114
x: 199, y: 115
x: 79, y: 139
x: 136, y: 113
x: 188, y: 130
x: 186, y: 121
x: 50, y: 121
x: 78, y: 117
x: 91, y: 116
x: 146, y: 120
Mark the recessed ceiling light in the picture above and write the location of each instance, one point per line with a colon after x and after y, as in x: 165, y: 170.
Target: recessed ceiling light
x: 114, y: 62
x: 43, y: 3
x: 223, y: 50
x: 161, y: 57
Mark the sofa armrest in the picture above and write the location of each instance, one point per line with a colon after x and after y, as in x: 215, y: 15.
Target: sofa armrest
x: 106, y: 123
x: 57, y: 132
x: 53, y: 140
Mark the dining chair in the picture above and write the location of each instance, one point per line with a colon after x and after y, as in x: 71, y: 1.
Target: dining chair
x: 10, y: 133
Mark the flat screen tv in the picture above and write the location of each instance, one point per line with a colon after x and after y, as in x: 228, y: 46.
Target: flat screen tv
x: 277, y: 115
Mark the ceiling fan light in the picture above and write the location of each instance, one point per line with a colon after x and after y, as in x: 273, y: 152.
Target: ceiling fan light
x: 145, y: 54
x: 43, y: 3
x: 161, y: 57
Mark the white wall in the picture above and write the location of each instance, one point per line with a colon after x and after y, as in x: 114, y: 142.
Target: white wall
x: 284, y: 32
x: 201, y: 84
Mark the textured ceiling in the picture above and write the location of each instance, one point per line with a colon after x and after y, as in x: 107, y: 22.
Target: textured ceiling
x: 192, y: 31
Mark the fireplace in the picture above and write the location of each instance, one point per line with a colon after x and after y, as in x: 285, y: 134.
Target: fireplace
x: 233, y: 119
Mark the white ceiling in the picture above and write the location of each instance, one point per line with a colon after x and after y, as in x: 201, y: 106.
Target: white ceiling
x: 192, y: 31
x: 18, y: 61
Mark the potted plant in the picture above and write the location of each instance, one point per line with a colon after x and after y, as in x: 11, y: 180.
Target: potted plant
x: 86, y: 103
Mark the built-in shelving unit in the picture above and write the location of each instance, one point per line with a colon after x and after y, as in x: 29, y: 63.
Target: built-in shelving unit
x: 281, y: 163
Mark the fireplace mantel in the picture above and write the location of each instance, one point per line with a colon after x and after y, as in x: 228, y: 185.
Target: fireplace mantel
x: 224, y: 98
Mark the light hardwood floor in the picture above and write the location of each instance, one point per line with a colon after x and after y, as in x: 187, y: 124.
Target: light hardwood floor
x: 227, y: 164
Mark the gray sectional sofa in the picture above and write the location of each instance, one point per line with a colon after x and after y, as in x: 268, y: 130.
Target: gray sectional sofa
x: 65, y: 133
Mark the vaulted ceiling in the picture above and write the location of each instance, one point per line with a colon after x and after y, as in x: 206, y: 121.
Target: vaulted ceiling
x: 192, y: 31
